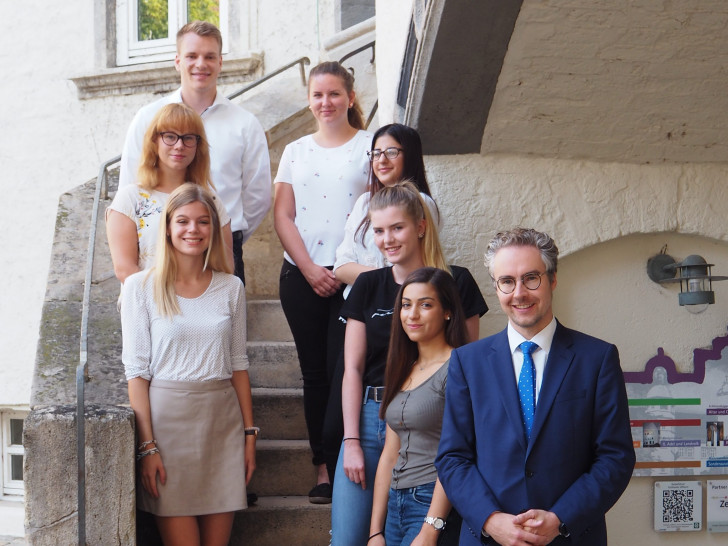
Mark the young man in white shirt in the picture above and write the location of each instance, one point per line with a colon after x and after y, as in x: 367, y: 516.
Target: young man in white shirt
x: 239, y: 160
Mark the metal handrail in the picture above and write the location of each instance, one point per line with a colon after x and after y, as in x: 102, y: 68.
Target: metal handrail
x: 82, y: 368
x: 103, y: 171
x: 359, y: 50
x: 301, y: 62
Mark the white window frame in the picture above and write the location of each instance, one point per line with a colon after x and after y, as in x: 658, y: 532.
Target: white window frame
x: 10, y: 486
x: 129, y: 50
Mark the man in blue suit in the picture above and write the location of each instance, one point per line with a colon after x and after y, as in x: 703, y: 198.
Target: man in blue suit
x: 536, y: 443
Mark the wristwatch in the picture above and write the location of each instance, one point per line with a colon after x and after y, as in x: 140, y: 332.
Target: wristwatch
x: 564, y: 530
x: 438, y: 523
x: 252, y: 431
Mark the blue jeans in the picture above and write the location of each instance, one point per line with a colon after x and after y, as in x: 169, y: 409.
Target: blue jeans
x: 351, y: 508
x: 406, y: 511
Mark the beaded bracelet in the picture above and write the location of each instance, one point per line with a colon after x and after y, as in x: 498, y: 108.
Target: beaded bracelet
x: 375, y: 535
x: 143, y: 454
x: 145, y: 444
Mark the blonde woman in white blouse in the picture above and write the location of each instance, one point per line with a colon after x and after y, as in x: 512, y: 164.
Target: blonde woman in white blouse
x: 184, y: 355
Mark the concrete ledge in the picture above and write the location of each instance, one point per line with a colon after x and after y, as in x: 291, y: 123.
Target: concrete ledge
x: 51, y: 516
x: 279, y: 413
x: 283, y: 468
x: 282, y: 520
x: 274, y: 364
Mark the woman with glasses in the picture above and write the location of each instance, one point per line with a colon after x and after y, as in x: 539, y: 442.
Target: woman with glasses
x: 174, y: 151
x: 319, y: 178
x: 405, y: 233
x: 396, y: 155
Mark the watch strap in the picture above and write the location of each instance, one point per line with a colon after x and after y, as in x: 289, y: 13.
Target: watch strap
x: 437, y: 522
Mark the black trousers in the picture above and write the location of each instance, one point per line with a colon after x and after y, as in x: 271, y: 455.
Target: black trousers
x: 238, y: 255
x: 314, y: 323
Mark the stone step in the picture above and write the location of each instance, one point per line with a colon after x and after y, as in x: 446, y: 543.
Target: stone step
x: 283, y: 467
x: 278, y: 521
x: 279, y: 413
x: 266, y: 321
x: 274, y: 364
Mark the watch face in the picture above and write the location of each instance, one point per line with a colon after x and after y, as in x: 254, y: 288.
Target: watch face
x: 438, y: 524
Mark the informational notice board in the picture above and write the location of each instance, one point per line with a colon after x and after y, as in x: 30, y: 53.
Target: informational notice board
x: 680, y: 420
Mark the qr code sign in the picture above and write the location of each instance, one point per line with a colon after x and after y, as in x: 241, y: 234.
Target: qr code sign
x: 678, y: 506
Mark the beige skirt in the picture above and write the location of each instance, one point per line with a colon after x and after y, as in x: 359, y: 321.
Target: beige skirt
x: 200, y: 435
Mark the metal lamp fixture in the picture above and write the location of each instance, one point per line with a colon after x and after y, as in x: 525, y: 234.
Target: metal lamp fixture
x: 693, y: 274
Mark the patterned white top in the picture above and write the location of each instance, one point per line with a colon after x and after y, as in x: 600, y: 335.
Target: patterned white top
x: 205, y: 342
x: 144, y: 208
x: 326, y: 183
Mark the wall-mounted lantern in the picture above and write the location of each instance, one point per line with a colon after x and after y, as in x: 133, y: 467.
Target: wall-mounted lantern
x: 693, y: 274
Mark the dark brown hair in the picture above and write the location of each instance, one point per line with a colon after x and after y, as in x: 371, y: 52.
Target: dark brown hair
x: 403, y: 352
x: 354, y: 114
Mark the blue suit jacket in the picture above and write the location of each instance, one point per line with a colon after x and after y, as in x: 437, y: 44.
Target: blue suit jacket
x: 580, y: 456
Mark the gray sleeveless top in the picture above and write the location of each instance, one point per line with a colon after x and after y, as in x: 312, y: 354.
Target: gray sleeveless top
x: 416, y: 417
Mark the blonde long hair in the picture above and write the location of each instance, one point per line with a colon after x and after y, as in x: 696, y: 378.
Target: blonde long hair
x: 181, y: 119
x: 165, y: 269
x: 406, y: 196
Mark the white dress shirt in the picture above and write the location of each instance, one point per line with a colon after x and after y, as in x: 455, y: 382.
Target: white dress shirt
x: 543, y: 339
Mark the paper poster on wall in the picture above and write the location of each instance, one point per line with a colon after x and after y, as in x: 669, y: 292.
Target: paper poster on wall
x: 717, y: 503
x: 680, y: 420
x: 678, y: 506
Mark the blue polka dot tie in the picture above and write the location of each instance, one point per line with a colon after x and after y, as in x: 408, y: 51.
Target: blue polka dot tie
x: 527, y: 386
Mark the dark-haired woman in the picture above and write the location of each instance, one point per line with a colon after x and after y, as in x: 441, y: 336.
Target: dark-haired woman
x: 318, y: 181
x: 410, y: 505
x: 396, y: 155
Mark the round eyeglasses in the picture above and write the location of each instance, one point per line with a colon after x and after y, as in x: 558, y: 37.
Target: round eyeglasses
x: 530, y: 280
x: 389, y: 153
x: 170, y: 139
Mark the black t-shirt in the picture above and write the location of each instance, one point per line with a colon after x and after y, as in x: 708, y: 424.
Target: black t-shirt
x: 371, y: 301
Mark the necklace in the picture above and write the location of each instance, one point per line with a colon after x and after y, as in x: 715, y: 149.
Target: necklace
x: 428, y: 364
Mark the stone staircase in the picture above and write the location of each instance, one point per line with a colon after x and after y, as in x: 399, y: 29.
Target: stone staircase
x: 284, y: 472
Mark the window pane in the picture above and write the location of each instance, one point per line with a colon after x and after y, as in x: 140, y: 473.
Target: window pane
x: 153, y: 19
x: 16, y: 432
x: 355, y: 11
x: 204, y: 10
x: 16, y: 467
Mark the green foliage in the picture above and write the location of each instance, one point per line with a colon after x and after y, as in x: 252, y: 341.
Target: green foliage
x: 204, y: 10
x: 153, y: 16
x: 153, y: 19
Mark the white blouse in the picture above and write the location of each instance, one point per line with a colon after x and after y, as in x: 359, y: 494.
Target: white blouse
x: 326, y: 183
x: 207, y: 341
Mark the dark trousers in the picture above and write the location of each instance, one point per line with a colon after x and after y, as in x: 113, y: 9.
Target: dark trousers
x: 238, y: 255
x: 313, y: 323
x: 334, y: 421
